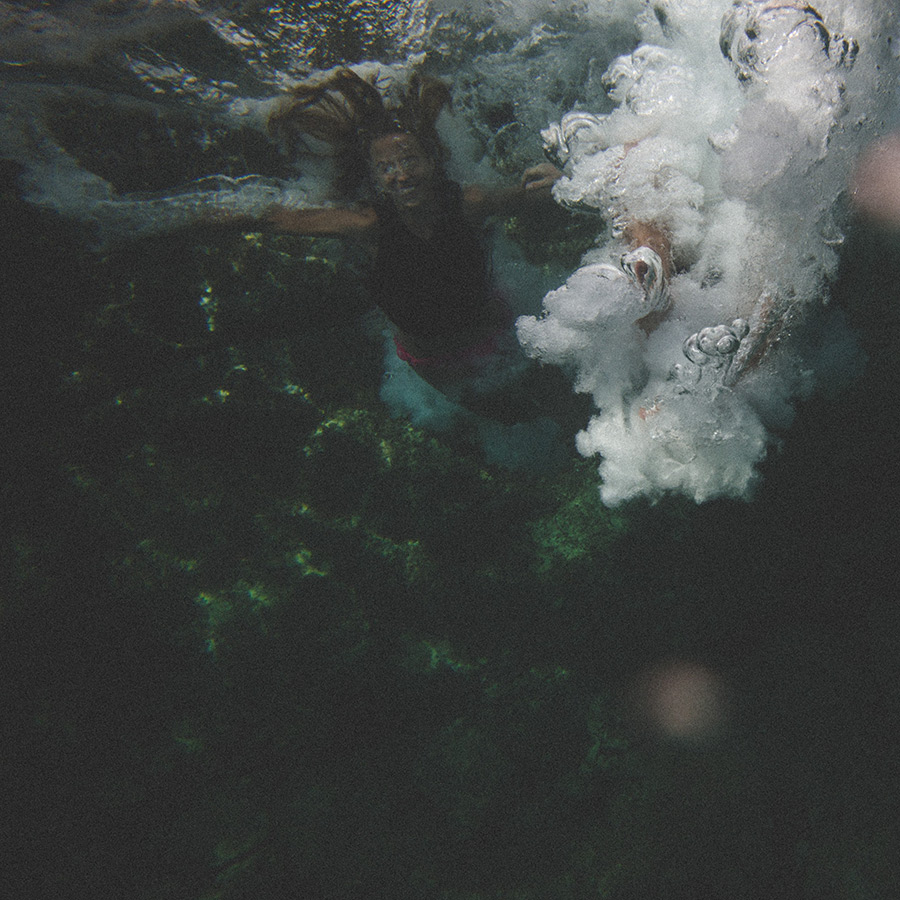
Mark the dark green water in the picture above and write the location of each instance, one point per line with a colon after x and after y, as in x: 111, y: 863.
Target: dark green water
x: 260, y: 640
x: 269, y: 643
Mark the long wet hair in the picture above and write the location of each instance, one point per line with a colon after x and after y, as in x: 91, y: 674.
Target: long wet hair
x: 348, y: 113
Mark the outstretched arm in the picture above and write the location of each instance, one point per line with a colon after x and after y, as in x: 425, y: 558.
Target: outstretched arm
x: 533, y: 190
x: 325, y: 221
x: 335, y: 221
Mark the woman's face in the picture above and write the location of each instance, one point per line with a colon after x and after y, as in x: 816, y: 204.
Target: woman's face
x: 401, y: 169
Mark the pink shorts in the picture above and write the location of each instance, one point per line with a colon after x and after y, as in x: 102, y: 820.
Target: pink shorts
x: 468, y: 357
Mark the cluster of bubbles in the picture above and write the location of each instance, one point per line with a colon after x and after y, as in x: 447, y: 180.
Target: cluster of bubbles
x: 735, y: 130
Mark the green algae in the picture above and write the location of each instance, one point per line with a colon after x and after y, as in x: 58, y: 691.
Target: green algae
x: 418, y: 658
x: 318, y: 566
x: 580, y: 530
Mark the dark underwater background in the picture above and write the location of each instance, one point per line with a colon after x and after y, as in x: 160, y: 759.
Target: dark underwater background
x: 260, y: 639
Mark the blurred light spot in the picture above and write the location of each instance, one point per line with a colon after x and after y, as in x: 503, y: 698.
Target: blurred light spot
x: 875, y: 187
x: 682, y: 700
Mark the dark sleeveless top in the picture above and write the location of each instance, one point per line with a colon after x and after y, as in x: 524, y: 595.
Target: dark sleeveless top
x: 431, y: 288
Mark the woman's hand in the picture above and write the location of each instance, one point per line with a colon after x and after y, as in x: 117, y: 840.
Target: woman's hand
x: 541, y: 176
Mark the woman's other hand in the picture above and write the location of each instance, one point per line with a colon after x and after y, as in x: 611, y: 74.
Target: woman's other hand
x: 540, y: 177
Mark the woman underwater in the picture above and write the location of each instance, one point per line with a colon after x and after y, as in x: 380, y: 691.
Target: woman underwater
x: 431, y: 271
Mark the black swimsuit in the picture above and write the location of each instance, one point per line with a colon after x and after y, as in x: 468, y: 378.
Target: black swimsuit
x: 437, y: 288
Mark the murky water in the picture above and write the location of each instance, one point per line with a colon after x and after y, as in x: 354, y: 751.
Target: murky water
x: 264, y: 638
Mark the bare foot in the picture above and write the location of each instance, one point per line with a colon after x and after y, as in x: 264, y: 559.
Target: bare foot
x: 643, y: 234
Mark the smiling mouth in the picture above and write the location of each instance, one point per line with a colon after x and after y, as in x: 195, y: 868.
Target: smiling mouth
x: 411, y: 194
